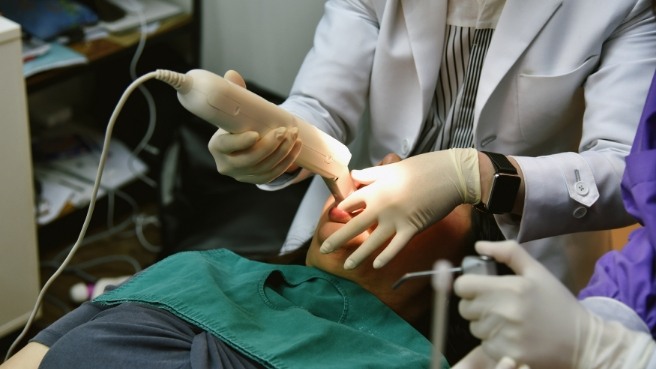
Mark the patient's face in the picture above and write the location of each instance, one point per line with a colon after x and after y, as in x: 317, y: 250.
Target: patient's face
x: 445, y: 239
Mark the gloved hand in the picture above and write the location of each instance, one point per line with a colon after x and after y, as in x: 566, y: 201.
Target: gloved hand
x: 247, y: 157
x: 478, y: 359
x: 533, y: 319
x: 403, y: 198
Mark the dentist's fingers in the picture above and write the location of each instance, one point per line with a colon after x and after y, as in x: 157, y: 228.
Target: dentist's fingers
x: 470, y: 286
x: 372, y: 174
x: 234, y: 77
x: 277, y: 162
x: 508, y: 363
x: 223, y: 142
x: 247, y: 159
x: 356, y: 200
x: 380, y: 235
x: 476, y: 359
x: 350, y: 230
x: 482, y: 296
x: 484, y: 328
x: 509, y: 252
x: 392, y: 249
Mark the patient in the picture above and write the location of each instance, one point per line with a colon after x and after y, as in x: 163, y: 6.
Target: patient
x: 214, y: 309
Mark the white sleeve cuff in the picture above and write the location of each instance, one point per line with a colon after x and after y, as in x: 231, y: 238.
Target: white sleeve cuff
x: 610, y: 309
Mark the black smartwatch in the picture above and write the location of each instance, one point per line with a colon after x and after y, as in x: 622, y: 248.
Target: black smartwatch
x: 505, y: 184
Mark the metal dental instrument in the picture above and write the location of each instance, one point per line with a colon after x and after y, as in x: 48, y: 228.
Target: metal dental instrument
x: 483, y: 265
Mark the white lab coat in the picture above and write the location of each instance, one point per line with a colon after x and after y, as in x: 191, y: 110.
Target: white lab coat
x: 561, y: 90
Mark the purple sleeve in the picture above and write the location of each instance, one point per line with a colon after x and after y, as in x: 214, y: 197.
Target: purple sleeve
x: 629, y: 277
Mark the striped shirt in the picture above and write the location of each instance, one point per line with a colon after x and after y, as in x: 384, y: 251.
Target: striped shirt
x: 450, y: 119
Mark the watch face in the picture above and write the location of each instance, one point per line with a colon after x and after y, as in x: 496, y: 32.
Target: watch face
x: 504, y: 191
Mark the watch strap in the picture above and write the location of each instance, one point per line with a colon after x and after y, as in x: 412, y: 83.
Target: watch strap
x: 501, y: 163
x: 504, y: 186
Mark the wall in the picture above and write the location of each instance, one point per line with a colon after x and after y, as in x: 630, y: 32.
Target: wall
x: 265, y: 41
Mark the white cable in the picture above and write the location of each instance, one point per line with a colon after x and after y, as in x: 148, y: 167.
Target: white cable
x: 152, y: 112
x: 92, y: 204
x: 140, y: 222
x: 111, y: 231
x: 98, y: 236
x: 135, y: 211
x: 134, y: 219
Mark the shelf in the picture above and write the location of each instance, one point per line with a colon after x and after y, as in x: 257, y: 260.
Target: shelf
x: 172, y: 43
x: 104, y: 49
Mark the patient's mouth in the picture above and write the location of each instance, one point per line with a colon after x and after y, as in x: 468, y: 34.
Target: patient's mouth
x: 338, y: 215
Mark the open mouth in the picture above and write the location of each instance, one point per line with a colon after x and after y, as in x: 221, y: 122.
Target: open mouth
x: 338, y: 216
x: 336, y: 220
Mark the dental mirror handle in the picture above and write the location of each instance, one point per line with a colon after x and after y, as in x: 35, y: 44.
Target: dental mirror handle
x: 441, y: 281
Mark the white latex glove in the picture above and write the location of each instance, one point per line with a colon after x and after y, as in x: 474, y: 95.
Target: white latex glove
x: 532, y: 318
x: 403, y: 198
x: 247, y: 157
x: 478, y: 359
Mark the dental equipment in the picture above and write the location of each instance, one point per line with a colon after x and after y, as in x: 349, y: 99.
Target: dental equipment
x: 483, y: 265
x: 441, y: 281
x: 235, y: 109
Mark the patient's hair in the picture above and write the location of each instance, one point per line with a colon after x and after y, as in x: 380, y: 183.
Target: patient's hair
x: 459, y: 340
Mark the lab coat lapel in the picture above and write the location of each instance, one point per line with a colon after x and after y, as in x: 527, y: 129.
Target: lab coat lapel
x: 426, y: 41
x: 519, y: 24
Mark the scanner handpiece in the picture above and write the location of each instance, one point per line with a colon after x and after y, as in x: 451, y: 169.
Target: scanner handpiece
x: 235, y: 109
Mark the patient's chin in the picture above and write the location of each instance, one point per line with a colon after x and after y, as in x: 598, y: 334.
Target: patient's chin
x: 332, y: 262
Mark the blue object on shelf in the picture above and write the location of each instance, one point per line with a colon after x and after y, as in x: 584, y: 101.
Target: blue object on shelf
x: 58, y: 56
x: 47, y: 19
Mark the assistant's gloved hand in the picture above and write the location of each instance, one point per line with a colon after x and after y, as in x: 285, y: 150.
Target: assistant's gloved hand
x: 247, y: 157
x: 533, y: 319
x: 403, y: 198
x: 478, y: 359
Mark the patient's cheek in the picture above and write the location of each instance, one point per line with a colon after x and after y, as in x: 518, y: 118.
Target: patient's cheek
x: 325, y: 262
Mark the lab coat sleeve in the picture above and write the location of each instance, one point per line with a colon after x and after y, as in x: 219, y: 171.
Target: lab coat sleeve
x: 652, y: 362
x: 581, y: 190
x: 611, y: 309
x: 641, y: 356
x: 331, y: 88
